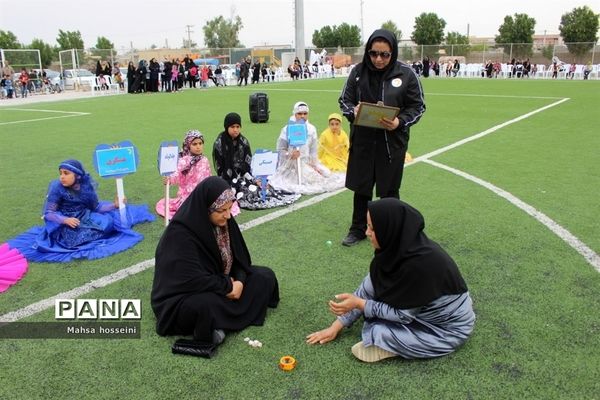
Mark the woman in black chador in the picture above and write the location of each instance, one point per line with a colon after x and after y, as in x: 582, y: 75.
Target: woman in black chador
x: 204, y: 280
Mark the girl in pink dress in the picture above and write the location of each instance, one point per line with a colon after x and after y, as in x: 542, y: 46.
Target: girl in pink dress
x: 192, y: 168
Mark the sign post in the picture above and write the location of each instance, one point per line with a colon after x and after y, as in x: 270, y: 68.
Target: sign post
x: 116, y: 161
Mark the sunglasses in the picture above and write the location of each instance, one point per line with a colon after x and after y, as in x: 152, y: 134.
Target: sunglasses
x: 382, y: 54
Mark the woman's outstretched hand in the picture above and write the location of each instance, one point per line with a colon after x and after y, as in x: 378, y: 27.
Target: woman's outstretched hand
x: 325, y: 335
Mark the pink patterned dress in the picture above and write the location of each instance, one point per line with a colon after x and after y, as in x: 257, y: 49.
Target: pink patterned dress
x: 186, y: 182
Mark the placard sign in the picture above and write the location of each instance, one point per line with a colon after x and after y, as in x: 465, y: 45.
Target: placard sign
x: 297, y: 134
x: 264, y: 162
x: 168, y: 154
x: 115, y: 161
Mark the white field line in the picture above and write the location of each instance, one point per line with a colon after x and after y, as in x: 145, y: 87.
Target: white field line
x: 486, y: 132
x: 590, y: 255
x: 68, y: 115
x: 142, y: 266
x: 508, y: 96
x: 121, y: 274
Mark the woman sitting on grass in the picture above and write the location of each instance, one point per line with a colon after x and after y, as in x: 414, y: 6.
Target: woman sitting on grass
x: 204, y: 280
x: 77, y: 225
x: 414, y: 301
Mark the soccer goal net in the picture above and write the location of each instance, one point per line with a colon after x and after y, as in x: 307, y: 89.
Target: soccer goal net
x: 21, y: 58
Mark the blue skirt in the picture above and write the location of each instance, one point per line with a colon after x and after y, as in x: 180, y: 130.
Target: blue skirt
x: 98, y: 236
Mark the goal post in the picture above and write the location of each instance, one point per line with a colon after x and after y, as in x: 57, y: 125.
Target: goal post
x: 21, y: 58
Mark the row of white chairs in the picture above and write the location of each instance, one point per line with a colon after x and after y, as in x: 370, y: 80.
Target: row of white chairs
x: 108, y: 87
x: 475, y: 70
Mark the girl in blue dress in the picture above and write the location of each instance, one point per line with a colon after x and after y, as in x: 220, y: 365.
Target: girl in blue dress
x: 77, y: 224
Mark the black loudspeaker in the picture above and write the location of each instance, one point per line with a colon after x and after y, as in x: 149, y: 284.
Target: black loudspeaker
x: 259, y: 107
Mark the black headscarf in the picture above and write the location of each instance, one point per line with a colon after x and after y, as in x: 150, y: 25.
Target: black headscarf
x: 232, y: 119
x: 371, y: 77
x: 228, y: 145
x: 224, y: 157
x: 409, y: 270
x: 188, y: 260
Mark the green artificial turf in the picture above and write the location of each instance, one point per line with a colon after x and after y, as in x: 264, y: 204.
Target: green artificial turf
x: 538, y: 329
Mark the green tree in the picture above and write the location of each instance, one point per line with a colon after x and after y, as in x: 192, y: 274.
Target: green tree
x: 392, y: 27
x: 456, y: 38
x: 457, y: 44
x: 8, y: 40
x: 517, y: 31
x: 47, y: 52
x: 344, y: 35
x: 221, y: 33
x: 104, y: 43
x: 579, y: 29
x: 428, y: 29
x: 69, y: 40
x: 325, y: 37
x: 349, y: 35
x: 102, y: 46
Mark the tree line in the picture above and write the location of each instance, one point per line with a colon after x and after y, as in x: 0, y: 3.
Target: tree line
x: 578, y: 29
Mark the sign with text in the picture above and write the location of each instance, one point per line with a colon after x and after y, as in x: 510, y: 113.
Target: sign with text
x: 98, y: 309
x: 168, y: 154
x: 115, y: 160
x: 297, y: 134
x: 264, y: 162
x: 71, y: 330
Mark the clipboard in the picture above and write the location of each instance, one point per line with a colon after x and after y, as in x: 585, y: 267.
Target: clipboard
x: 369, y: 114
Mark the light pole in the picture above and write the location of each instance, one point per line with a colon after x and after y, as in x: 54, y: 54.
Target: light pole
x: 362, y: 23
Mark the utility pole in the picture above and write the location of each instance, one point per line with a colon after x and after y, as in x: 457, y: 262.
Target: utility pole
x: 362, y: 25
x: 189, y: 32
x: 299, y: 25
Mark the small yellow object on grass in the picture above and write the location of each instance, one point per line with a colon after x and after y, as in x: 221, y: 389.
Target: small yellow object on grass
x: 287, y: 363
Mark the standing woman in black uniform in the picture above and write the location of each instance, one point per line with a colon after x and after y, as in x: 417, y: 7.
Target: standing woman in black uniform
x: 377, y: 154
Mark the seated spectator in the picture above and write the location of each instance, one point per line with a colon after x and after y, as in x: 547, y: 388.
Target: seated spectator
x: 77, y: 225
x: 232, y: 158
x: 293, y: 71
x: 7, y: 87
x: 299, y: 169
x: 219, y: 78
x: 455, y: 67
x: 587, y: 70
x: 192, y: 168
x: 334, y: 145
x: 205, y: 284
x: 571, y: 73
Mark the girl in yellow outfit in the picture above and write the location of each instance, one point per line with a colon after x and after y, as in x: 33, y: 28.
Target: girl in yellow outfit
x: 334, y: 145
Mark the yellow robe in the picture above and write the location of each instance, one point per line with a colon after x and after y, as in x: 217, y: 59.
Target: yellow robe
x: 333, y: 150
